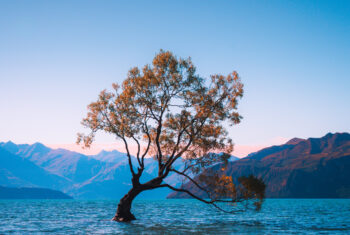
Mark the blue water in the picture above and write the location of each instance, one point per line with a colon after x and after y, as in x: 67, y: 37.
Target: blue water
x: 284, y: 216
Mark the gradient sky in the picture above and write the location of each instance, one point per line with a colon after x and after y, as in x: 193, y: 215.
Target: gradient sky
x: 292, y: 56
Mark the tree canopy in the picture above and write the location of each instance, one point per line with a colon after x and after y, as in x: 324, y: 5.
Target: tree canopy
x: 169, y: 112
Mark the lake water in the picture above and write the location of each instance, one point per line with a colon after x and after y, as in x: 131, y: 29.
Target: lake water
x: 286, y: 216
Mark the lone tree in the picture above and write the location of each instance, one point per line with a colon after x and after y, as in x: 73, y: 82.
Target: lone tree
x: 171, y: 113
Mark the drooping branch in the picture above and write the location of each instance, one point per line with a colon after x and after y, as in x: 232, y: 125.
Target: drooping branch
x: 210, y: 202
x: 191, y: 180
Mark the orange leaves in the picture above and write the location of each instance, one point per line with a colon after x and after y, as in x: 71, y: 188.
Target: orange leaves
x: 225, y: 187
x: 169, y: 106
x: 86, y: 140
x: 177, y: 114
x: 219, y: 187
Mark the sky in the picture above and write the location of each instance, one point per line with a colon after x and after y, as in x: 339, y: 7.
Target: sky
x: 292, y: 56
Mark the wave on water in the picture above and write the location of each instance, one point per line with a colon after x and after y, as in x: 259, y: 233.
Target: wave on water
x: 312, y: 216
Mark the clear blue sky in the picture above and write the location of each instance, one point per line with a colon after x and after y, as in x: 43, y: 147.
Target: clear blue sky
x: 293, y: 57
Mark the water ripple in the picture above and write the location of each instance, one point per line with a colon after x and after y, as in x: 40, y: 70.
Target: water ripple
x: 287, y: 216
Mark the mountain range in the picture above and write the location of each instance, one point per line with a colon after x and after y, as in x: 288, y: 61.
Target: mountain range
x: 102, y: 176
x: 311, y: 168
x: 314, y: 167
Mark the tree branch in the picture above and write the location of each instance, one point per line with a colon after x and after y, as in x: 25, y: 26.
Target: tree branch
x: 125, y: 143
x: 211, y: 202
x: 129, y: 157
x: 192, y: 180
x: 148, y: 145
x: 138, y: 151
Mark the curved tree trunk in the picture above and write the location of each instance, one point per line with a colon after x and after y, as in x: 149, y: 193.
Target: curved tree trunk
x: 123, y: 213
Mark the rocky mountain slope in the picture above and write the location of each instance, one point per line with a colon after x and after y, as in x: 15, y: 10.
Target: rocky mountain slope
x: 312, y: 168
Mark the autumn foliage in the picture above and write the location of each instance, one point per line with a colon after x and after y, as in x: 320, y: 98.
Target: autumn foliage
x: 172, y: 113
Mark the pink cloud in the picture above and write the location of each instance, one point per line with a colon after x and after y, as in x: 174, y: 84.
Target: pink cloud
x: 244, y: 150
x: 239, y: 150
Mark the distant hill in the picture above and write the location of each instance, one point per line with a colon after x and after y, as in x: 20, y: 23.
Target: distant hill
x: 102, y: 176
x: 312, y: 168
x: 71, y: 165
x: 31, y: 193
x: 16, y: 171
x: 85, y: 177
x: 113, y: 156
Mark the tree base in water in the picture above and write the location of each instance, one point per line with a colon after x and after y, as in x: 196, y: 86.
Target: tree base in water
x: 127, y: 218
x: 123, y: 213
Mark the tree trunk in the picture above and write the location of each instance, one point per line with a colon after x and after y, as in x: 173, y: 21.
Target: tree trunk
x: 123, y: 213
